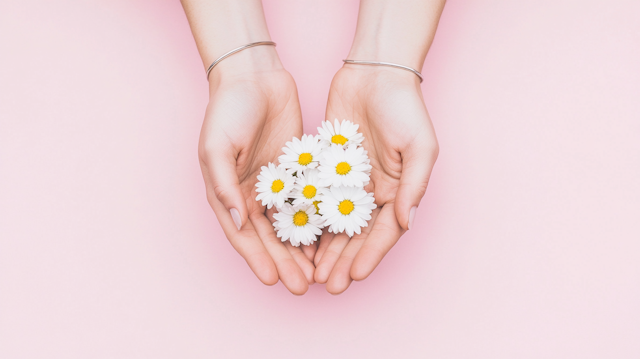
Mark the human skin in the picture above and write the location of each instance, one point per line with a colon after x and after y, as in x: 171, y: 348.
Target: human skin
x: 253, y: 110
x: 388, y: 105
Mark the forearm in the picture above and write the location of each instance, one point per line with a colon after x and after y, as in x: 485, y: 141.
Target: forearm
x: 219, y: 26
x: 397, y: 31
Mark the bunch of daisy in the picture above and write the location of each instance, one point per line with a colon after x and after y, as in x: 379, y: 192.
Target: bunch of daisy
x: 319, y: 183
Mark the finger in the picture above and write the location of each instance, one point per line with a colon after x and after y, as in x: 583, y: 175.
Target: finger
x: 385, y: 233
x: 306, y: 260
x: 310, y: 250
x: 218, y: 166
x: 270, y: 213
x: 302, y: 260
x: 288, y: 270
x: 325, y: 239
x: 340, y: 277
x: 330, y: 257
x: 417, y: 161
x: 247, y: 243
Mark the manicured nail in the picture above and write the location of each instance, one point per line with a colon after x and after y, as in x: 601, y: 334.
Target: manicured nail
x: 235, y: 215
x: 412, y: 216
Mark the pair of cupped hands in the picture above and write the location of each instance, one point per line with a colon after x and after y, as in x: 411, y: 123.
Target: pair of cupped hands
x: 254, y: 110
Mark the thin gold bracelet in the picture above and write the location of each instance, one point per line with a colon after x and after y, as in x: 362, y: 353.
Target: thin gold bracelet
x: 258, y: 43
x: 358, y: 62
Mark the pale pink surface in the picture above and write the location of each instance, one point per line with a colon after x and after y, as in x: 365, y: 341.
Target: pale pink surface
x: 527, y: 244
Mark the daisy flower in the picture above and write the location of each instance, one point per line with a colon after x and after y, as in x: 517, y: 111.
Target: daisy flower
x: 298, y: 224
x: 307, y: 188
x: 274, y: 186
x: 342, y: 134
x: 346, y: 209
x: 340, y: 167
x: 301, y: 154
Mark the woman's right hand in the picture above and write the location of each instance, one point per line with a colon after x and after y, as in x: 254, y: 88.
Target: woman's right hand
x: 253, y: 110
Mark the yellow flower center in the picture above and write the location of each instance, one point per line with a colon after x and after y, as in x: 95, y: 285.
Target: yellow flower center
x: 315, y: 204
x: 345, y: 207
x: 300, y: 218
x: 309, y: 191
x: 339, y: 139
x: 305, y: 158
x: 343, y: 168
x: 277, y: 186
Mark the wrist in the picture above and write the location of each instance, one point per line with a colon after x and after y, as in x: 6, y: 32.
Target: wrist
x: 398, y: 32
x: 248, y: 62
x: 387, y: 51
x: 367, y: 75
x: 363, y: 79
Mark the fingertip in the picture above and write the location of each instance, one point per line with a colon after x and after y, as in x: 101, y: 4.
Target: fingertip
x: 235, y: 215
x: 418, y: 162
x: 361, y: 269
x: 304, y: 263
x: 296, y: 284
x: 330, y: 257
x: 339, y: 281
x: 269, y: 280
x: 412, y: 216
x: 300, y: 289
x: 358, y: 273
x: 233, y: 201
x: 406, y: 204
x: 333, y: 290
x: 266, y: 272
x: 293, y: 277
x: 322, y: 273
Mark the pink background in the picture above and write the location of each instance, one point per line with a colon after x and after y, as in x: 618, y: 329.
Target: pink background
x: 527, y: 244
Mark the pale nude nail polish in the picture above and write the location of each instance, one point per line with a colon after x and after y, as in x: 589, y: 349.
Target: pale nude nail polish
x: 412, y: 216
x: 235, y: 215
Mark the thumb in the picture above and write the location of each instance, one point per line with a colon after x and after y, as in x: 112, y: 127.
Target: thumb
x: 417, y: 162
x: 221, y: 178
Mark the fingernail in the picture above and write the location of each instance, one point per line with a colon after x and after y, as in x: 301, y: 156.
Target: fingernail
x: 235, y: 215
x: 412, y: 216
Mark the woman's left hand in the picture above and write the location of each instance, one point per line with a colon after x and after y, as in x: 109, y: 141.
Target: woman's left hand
x: 387, y: 103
